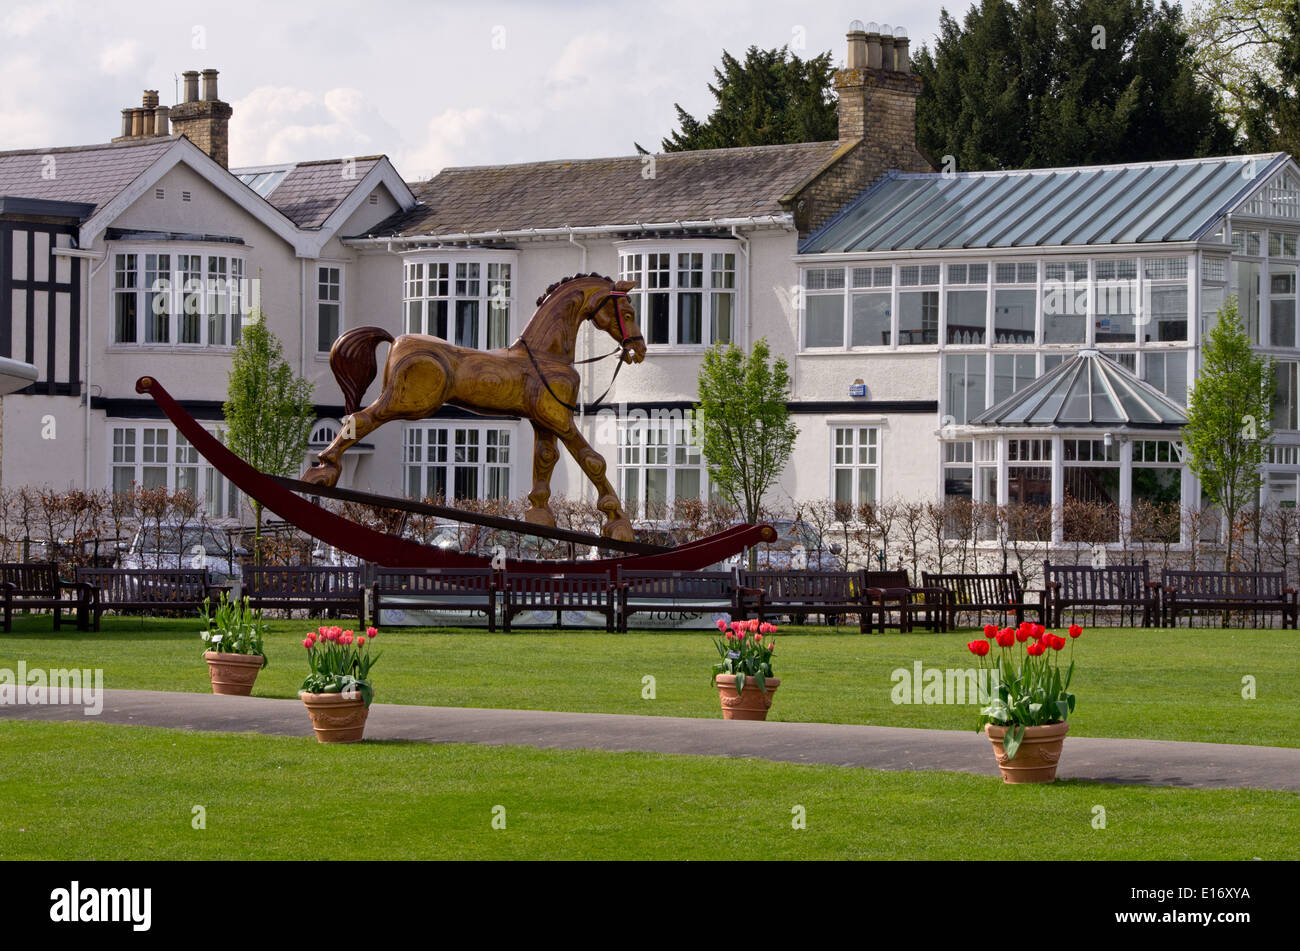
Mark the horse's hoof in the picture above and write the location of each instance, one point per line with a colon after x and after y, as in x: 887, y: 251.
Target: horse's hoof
x: 619, y: 530
x: 537, y: 515
x: 322, y: 474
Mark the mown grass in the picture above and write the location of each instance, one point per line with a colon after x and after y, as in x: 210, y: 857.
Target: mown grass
x: 1182, y: 684
x: 97, y: 791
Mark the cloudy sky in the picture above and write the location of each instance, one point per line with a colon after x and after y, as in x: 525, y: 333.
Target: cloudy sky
x: 431, y: 84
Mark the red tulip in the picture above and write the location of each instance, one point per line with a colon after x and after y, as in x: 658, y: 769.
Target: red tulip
x: 1006, y: 638
x: 1058, y: 643
x: 361, y: 641
x: 978, y: 648
x: 722, y: 625
x: 1075, y: 630
x: 1022, y: 635
x: 990, y: 631
x: 758, y: 638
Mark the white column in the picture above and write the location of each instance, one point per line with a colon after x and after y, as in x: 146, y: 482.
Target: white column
x: 1058, y: 491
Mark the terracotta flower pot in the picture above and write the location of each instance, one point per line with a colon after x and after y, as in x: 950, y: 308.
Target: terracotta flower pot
x: 749, y: 704
x: 233, y: 674
x: 1036, y: 759
x: 336, y: 717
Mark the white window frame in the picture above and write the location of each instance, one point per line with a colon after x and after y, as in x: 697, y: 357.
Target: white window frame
x: 681, y: 452
x: 488, y: 464
x: 230, y: 299
x: 707, y: 290
x: 490, y: 295
x: 855, y: 463
x: 336, y: 302
x: 210, y: 483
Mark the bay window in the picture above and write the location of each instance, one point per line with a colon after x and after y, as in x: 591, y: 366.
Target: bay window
x: 685, y: 294
x: 465, y: 301
x: 155, y: 455
x: 451, y: 462
x: 169, y: 298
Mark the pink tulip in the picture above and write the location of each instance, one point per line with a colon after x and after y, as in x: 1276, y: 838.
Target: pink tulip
x: 307, y: 643
x: 372, y: 632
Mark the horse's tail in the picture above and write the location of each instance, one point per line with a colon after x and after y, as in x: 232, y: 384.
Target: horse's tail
x: 352, y: 358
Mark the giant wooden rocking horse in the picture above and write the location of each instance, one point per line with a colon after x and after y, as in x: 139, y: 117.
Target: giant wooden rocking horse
x: 533, y: 378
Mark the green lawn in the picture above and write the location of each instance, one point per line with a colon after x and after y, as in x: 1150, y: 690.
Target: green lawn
x: 97, y: 791
x: 1161, y: 684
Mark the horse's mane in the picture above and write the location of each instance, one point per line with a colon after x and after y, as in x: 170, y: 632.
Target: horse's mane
x: 565, y: 280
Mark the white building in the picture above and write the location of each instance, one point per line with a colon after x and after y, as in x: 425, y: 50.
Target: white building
x: 907, y: 302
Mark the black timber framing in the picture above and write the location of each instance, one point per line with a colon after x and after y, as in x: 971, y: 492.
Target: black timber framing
x: 51, y: 381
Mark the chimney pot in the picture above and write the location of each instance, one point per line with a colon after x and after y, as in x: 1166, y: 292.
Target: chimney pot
x: 150, y: 99
x: 886, y: 50
x: 857, y: 58
x: 160, y: 120
x: 901, y: 58
x: 147, y: 130
x: 191, y: 85
x: 137, y: 121
x: 209, y: 85
x: 873, y: 50
x: 126, y: 122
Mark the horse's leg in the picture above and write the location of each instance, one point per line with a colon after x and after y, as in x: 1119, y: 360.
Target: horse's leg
x: 545, y: 455
x: 617, y: 525
x: 397, y: 400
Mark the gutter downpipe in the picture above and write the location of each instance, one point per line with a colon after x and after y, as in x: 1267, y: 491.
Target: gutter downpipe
x: 744, y: 249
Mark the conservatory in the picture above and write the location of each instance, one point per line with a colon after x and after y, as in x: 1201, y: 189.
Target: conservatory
x: 1061, y: 314
x: 1088, y: 431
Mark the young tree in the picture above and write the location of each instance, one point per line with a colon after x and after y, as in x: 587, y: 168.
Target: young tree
x: 1045, y: 83
x: 1229, y: 420
x: 771, y: 98
x: 1237, y: 44
x: 268, y: 410
x: 743, y: 423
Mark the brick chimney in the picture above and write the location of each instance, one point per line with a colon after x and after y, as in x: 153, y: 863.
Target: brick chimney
x: 877, y: 129
x: 206, y: 121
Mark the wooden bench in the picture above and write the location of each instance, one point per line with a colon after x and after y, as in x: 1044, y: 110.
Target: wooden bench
x: 1192, y: 591
x: 801, y: 593
x: 692, y: 592
x: 894, y: 591
x: 147, y: 590
x: 995, y: 593
x: 437, y: 589
x: 38, y: 585
x: 333, y: 591
x: 535, y: 591
x: 1127, y: 587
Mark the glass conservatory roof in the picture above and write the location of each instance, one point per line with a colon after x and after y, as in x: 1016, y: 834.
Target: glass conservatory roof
x: 1051, y: 207
x: 1088, y: 390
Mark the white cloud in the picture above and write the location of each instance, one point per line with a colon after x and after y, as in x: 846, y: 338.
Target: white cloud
x: 452, y: 137
x: 286, y: 124
x: 119, y: 59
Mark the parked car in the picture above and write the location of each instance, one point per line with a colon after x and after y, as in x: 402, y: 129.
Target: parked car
x: 184, y: 546
x: 797, y: 545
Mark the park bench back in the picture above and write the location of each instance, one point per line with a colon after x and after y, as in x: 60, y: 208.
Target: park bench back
x: 1246, y: 586
x: 142, y: 586
x: 1085, y: 584
x: 435, y: 581
x: 990, y: 590
x: 31, y: 579
x: 713, y: 586
x: 305, y: 582
x: 543, y: 592
x: 805, y: 587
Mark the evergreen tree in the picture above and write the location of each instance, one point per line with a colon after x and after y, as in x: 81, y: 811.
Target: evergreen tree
x: 1229, y: 420
x: 772, y: 97
x: 1044, y: 83
x: 268, y: 410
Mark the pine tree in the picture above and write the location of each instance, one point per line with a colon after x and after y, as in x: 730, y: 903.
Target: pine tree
x: 268, y: 410
x: 1229, y: 421
x: 772, y: 97
x: 1046, y: 83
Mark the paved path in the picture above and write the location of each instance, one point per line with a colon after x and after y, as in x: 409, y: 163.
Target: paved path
x: 1146, y: 762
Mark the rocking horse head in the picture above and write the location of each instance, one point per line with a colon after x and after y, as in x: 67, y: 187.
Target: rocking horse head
x: 601, y: 300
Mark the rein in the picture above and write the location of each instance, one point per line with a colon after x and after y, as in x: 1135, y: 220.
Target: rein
x: 621, y: 351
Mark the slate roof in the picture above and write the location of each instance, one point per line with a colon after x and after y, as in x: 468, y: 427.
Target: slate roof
x: 1087, y: 205
x: 1087, y: 390
x: 686, y: 186
x: 93, y: 174
x: 310, y: 191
